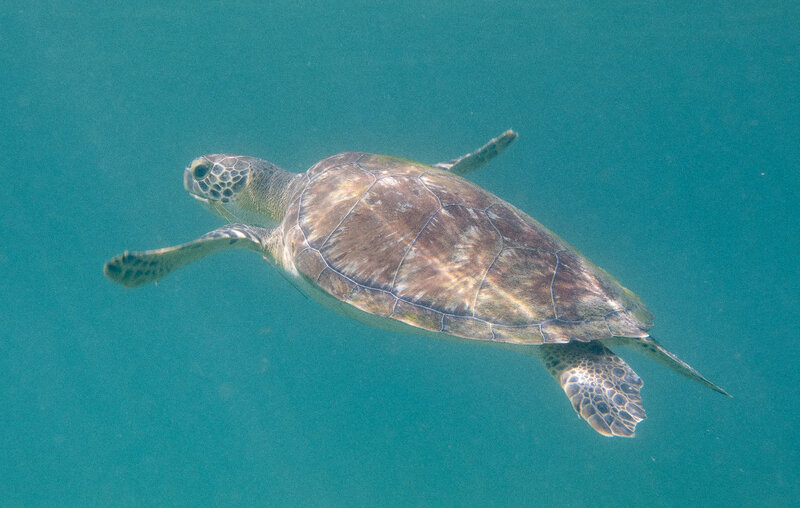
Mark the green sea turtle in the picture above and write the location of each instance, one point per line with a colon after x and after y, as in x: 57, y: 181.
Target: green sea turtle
x: 407, y: 246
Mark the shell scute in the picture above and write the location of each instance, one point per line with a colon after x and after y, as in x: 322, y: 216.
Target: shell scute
x: 374, y: 301
x: 621, y: 324
x: 579, y: 295
x: 518, y: 230
x: 564, y: 331
x: 527, y: 334
x: 517, y: 287
x: 446, y: 266
x: 335, y: 284
x: 464, y: 326
x: 385, y: 165
x: 328, y: 163
x: 382, y: 225
x: 418, y: 315
x: 451, y: 191
x: 328, y: 198
x: 310, y: 263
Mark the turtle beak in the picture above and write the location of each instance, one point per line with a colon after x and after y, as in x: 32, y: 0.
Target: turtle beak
x: 190, y: 184
x: 188, y: 180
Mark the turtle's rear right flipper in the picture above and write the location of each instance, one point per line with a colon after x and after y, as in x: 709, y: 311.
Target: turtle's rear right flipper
x: 133, y: 269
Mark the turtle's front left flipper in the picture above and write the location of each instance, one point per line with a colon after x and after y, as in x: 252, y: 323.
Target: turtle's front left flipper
x: 133, y: 269
x: 475, y: 160
x: 603, y: 389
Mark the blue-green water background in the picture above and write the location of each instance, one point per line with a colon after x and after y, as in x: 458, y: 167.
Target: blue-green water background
x: 661, y: 139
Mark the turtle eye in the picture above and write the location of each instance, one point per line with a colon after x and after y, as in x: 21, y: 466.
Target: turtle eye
x: 200, y: 171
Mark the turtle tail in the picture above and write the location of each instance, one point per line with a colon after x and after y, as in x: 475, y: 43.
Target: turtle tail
x: 651, y: 348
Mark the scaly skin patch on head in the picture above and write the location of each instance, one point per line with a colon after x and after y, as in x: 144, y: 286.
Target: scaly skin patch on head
x: 217, y: 178
x: 241, y: 189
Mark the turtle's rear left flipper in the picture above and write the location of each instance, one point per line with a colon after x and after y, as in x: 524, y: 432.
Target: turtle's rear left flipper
x: 650, y: 347
x: 603, y: 389
x: 133, y: 269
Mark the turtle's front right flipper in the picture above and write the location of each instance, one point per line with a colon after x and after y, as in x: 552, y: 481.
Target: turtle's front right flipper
x: 133, y: 269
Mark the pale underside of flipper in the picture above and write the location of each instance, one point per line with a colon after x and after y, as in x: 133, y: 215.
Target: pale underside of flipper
x: 133, y: 269
x: 602, y: 388
x: 480, y: 157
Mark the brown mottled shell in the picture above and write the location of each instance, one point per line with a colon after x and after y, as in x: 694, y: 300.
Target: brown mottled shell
x: 406, y: 241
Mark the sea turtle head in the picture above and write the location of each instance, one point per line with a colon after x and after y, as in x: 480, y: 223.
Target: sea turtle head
x: 241, y: 189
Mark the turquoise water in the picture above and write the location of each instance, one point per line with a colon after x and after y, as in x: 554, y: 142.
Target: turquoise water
x: 659, y: 139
